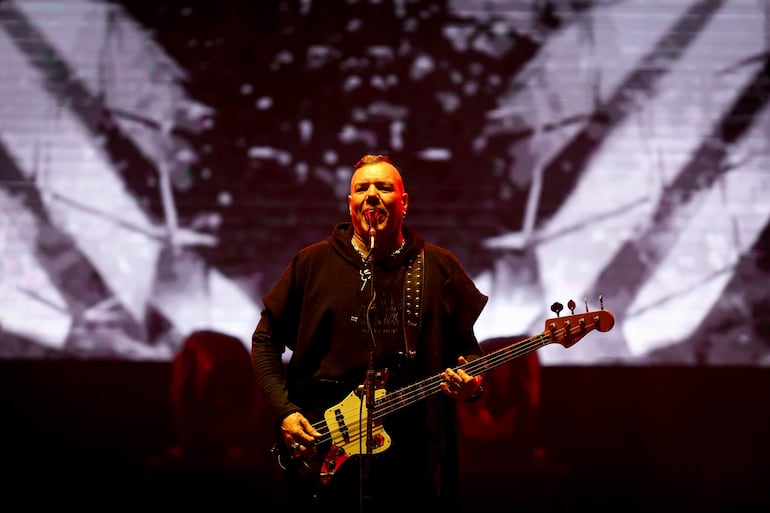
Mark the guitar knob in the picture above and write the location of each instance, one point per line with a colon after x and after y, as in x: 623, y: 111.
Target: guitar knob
x: 556, y: 308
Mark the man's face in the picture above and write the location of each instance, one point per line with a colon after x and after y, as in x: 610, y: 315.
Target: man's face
x: 378, y: 186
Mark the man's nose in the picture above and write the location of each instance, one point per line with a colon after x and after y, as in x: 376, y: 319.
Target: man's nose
x: 372, y: 195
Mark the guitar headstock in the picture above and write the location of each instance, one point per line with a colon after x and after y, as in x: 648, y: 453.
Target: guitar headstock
x: 571, y: 328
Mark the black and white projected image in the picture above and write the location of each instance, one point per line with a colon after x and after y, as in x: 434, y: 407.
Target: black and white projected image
x: 160, y: 162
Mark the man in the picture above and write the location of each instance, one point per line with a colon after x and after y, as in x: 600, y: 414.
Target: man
x: 370, y: 310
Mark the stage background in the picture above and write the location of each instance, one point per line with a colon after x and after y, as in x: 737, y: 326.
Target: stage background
x: 160, y: 162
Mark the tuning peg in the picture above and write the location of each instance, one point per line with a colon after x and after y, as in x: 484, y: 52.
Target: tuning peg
x: 556, y: 308
x: 601, y: 302
x: 571, y: 306
x: 585, y: 300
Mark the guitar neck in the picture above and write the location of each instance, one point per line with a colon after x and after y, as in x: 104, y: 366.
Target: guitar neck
x: 564, y: 330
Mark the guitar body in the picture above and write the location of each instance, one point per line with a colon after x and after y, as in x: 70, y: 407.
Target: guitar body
x: 346, y: 423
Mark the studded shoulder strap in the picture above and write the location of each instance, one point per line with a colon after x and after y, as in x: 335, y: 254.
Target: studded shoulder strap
x: 413, y: 288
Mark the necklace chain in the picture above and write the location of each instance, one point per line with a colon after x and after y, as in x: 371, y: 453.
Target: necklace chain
x: 365, y: 272
x: 400, y: 248
x: 395, y: 252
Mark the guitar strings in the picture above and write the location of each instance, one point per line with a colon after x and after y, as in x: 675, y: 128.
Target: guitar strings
x: 400, y: 398
x: 403, y: 397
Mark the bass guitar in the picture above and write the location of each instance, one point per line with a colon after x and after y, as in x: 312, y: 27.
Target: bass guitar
x: 344, y: 425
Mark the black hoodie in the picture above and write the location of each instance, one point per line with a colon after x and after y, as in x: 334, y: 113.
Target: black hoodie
x: 318, y: 310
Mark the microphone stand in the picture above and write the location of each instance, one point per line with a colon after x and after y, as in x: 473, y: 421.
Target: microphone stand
x: 369, y: 385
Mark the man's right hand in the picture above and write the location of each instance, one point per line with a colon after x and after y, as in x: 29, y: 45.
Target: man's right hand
x: 299, y: 435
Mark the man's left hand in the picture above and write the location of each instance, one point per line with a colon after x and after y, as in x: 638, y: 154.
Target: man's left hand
x: 459, y: 384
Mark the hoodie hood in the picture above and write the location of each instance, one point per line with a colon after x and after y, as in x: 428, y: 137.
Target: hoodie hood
x: 343, y: 232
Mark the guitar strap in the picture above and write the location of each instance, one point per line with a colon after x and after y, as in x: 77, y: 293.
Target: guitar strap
x: 413, y: 288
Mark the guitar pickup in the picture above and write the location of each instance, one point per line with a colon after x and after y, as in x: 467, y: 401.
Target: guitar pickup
x: 341, y: 422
